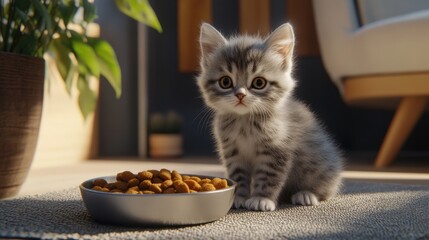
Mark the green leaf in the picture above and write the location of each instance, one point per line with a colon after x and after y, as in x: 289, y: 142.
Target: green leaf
x: 67, y: 10
x: 43, y: 16
x: 86, y: 57
x: 87, y: 98
x: 22, y: 15
x: 65, y: 65
x: 141, y: 11
x: 88, y: 11
x: 109, y: 66
x: 23, y: 5
x: 27, y: 44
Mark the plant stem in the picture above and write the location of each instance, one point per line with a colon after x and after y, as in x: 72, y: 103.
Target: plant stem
x: 2, y: 15
x: 19, y: 31
x: 55, y: 27
x: 40, y: 41
x: 9, y: 24
x: 16, y: 33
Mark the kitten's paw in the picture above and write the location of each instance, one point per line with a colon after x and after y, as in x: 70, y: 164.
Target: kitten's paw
x: 260, y: 204
x: 239, y: 202
x: 305, y: 198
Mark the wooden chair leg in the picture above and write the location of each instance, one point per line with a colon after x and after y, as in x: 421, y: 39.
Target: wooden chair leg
x: 408, y: 112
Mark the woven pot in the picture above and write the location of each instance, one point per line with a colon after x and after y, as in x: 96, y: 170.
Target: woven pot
x: 165, y: 145
x: 21, y: 99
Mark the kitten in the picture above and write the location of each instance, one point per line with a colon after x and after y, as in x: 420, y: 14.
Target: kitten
x: 270, y: 143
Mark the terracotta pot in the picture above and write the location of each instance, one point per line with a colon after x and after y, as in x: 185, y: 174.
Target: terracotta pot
x: 21, y: 99
x: 165, y: 145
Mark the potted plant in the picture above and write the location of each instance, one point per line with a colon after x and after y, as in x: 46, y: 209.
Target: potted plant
x: 165, y: 138
x: 31, y: 30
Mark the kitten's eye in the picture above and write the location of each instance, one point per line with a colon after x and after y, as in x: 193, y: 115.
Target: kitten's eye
x: 225, y: 82
x: 259, y: 83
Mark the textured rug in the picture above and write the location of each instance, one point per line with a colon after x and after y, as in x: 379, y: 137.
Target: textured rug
x: 361, y: 211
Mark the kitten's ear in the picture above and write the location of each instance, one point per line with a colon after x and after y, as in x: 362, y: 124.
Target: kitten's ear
x: 210, y: 39
x: 282, y: 40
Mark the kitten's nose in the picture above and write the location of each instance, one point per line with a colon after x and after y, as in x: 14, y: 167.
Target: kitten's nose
x: 240, y: 96
x: 240, y: 93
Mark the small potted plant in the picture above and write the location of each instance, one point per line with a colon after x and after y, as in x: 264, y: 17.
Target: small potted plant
x: 165, y: 138
x: 31, y: 30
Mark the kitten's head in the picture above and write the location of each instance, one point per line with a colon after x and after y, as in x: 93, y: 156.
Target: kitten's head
x: 246, y: 74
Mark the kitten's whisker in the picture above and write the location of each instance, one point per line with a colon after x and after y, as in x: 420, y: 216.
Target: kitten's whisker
x: 256, y: 112
x: 261, y: 112
x: 201, y: 112
x: 205, y: 116
x: 251, y: 113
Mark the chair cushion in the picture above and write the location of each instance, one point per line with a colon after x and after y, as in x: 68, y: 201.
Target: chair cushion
x: 394, y: 45
x: 375, y: 10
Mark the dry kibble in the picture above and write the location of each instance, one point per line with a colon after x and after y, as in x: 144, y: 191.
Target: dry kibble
x: 165, y: 174
x: 133, y: 182
x: 182, y: 187
x: 185, y: 177
x: 103, y: 189
x: 119, y: 176
x: 155, y: 173
x: 155, y: 188
x: 125, y: 176
x: 98, y: 188
x: 215, y: 180
x: 192, y: 184
x: 175, y: 183
x: 176, y: 175
x: 207, y: 187
x: 130, y: 191
x: 221, y: 184
x: 100, y: 182
x: 205, y: 180
x: 145, y: 175
x: 166, y: 184
x: 110, y: 186
x: 123, y: 186
x: 196, y: 179
x: 133, y: 190
x: 169, y: 190
x: 145, y: 184
x: 148, y: 192
x: 155, y: 182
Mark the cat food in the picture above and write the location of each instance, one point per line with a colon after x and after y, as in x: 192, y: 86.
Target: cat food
x: 156, y: 182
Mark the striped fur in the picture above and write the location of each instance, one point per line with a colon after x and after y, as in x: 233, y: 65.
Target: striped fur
x: 271, y: 144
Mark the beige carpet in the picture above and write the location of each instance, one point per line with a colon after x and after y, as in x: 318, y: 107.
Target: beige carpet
x: 362, y: 211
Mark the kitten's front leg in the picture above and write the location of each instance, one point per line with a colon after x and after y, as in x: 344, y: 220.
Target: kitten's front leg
x: 240, y: 173
x: 268, y: 180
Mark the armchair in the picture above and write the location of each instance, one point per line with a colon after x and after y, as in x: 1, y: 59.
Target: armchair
x: 377, y: 54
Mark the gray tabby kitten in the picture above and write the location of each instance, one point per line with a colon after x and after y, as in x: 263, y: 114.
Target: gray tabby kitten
x: 270, y: 143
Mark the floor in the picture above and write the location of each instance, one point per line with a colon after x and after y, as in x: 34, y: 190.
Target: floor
x: 405, y: 162
x: 406, y: 169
